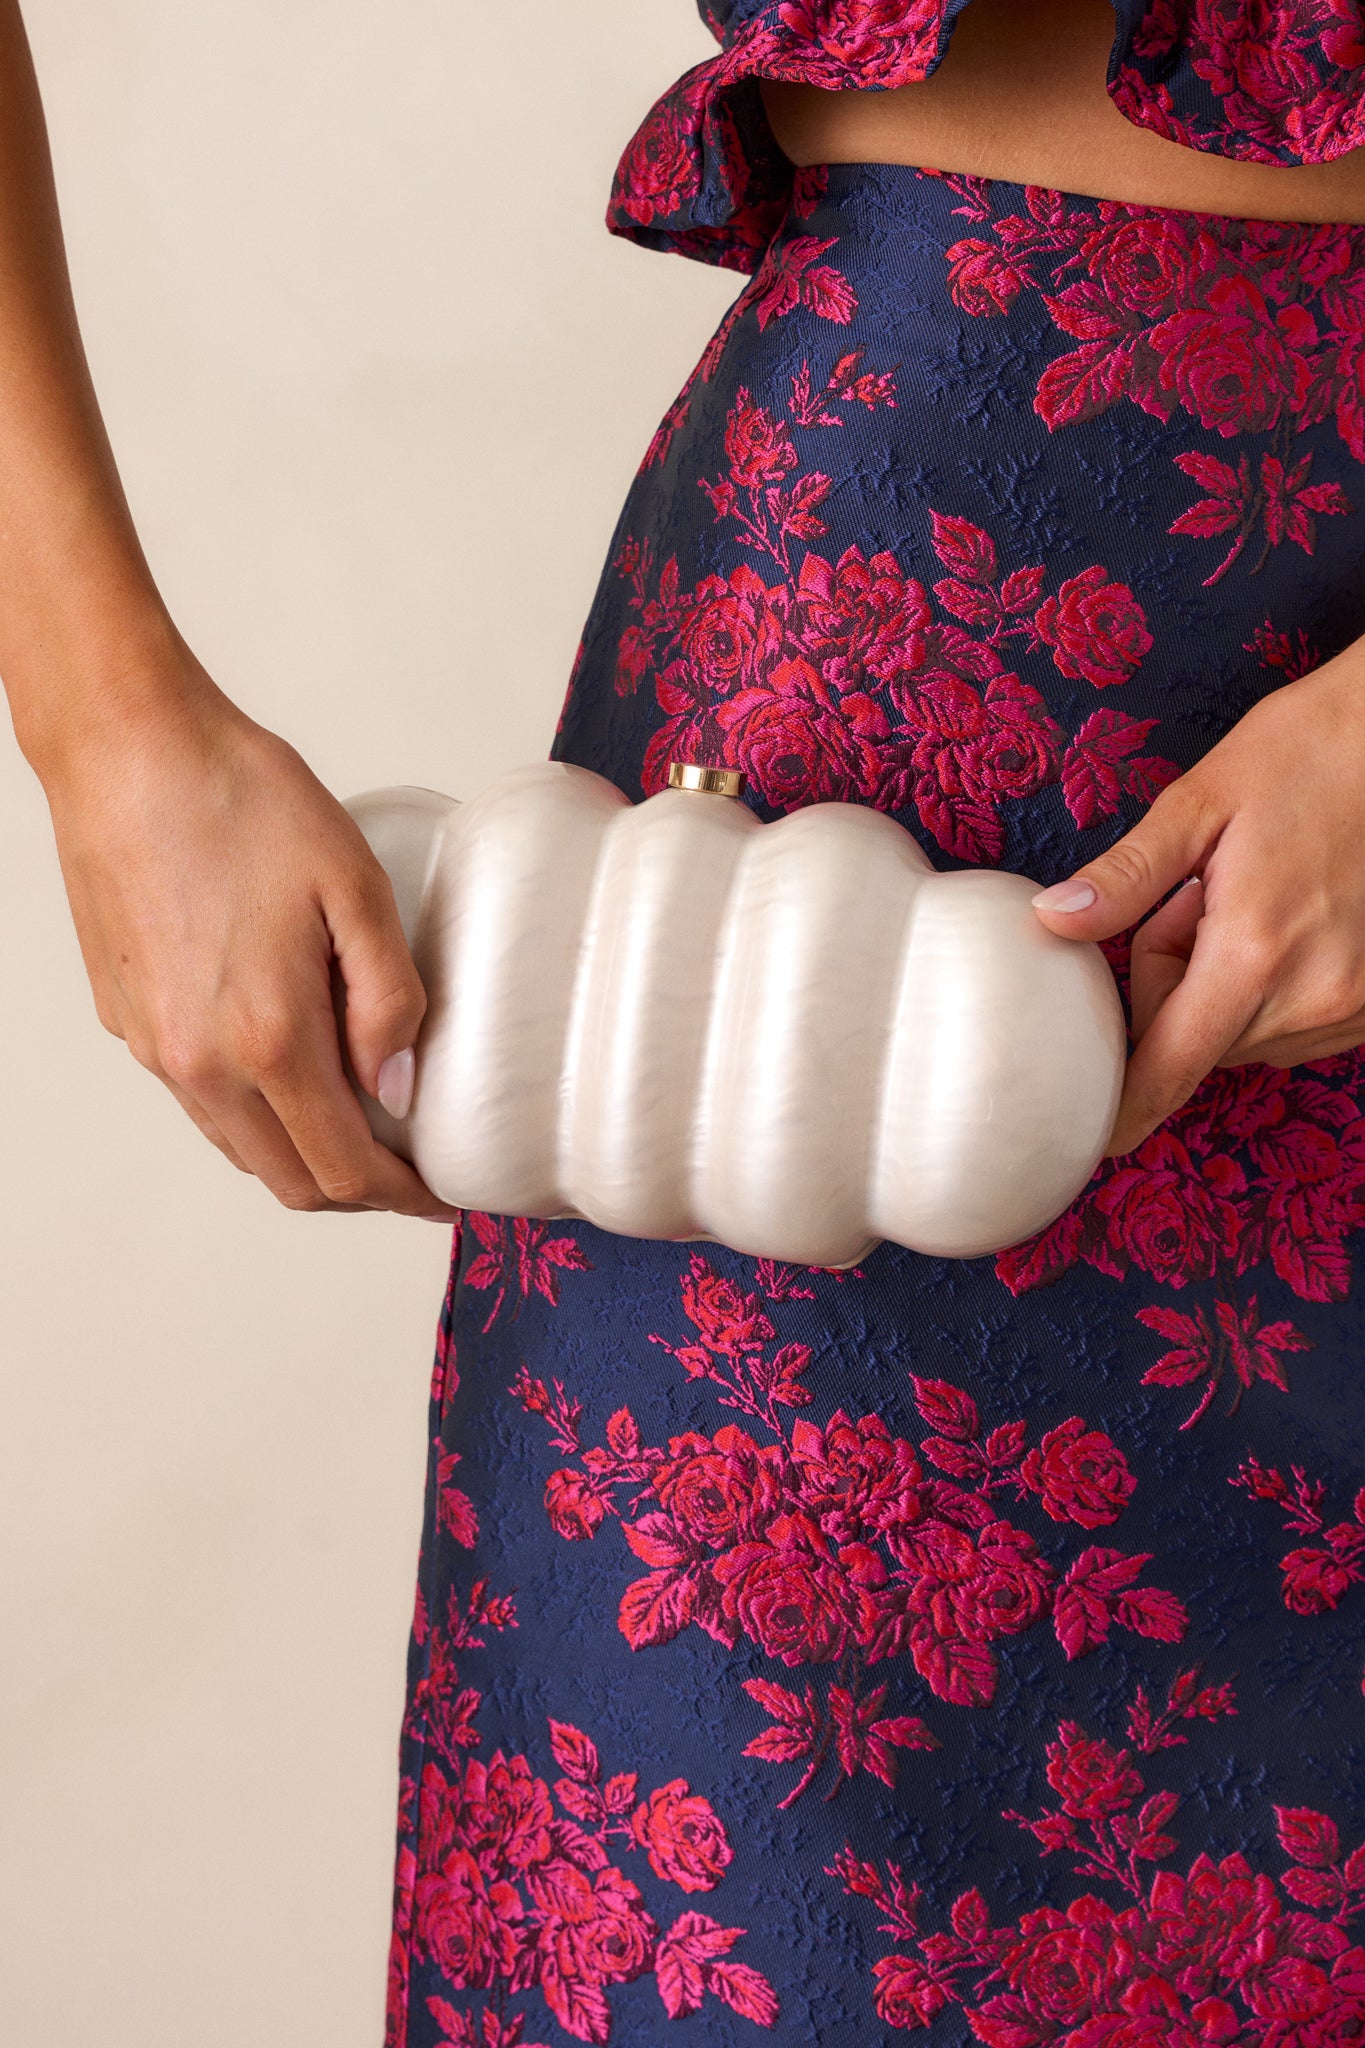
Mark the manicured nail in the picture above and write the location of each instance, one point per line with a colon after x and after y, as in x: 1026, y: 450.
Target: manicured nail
x: 1065, y: 896
x: 396, y: 1075
x: 449, y: 1221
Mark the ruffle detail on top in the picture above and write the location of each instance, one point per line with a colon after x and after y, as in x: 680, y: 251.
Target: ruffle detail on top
x: 1267, y: 81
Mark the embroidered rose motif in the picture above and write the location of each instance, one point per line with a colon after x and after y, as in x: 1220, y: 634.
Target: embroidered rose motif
x: 727, y: 1319
x: 1172, y: 1213
x: 1211, y: 1957
x: 660, y: 172
x: 1095, y: 627
x: 1079, y: 1474
x: 1235, y: 363
x: 514, y: 1886
x: 684, y: 1839
x: 1143, y: 264
x: 1089, y: 1777
x: 758, y: 447
x: 471, y: 1929
x: 723, y: 1490
x: 576, y: 1511
x: 981, y: 279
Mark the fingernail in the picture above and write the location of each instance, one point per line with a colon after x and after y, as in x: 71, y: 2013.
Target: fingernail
x: 449, y: 1221
x: 396, y: 1075
x: 1071, y: 895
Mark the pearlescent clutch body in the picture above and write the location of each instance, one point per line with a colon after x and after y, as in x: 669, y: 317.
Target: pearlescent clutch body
x: 675, y: 1021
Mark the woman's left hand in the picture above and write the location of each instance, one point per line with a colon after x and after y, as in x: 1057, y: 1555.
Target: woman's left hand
x: 1261, y: 956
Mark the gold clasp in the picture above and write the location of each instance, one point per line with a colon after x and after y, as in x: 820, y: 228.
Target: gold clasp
x: 710, y: 781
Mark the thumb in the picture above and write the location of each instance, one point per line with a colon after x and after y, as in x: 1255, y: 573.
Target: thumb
x: 385, y: 1000
x: 1119, y: 887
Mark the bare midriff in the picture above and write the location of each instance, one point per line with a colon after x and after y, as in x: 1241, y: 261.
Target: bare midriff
x: 1021, y: 95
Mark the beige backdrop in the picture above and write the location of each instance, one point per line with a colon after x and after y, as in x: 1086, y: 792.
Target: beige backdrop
x: 378, y: 379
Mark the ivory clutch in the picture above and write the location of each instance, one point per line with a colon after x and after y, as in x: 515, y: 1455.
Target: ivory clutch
x: 678, y: 1022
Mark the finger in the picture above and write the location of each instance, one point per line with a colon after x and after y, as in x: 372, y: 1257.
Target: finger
x: 1161, y: 953
x: 385, y: 1000
x: 304, y: 1084
x: 232, y: 1115
x: 260, y: 1140
x: 1190, y: 1033
x: 206, y: 1124
x: 1119, y: 887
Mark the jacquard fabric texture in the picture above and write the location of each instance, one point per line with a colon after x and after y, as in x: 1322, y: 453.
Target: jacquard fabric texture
x: 971, y: 1651
x: 1271, y: 81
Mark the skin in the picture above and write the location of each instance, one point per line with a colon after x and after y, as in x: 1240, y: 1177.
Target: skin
x: 216, y: 886
x: 1261, y: 957
x: 213, y: 881
x: 1020, y: 95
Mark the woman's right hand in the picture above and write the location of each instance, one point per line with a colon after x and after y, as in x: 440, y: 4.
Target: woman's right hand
x: 214, y: 883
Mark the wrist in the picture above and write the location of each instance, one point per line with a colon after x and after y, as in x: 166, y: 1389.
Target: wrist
x: 82, y: 695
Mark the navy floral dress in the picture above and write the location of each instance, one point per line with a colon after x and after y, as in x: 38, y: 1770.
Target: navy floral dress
x: 972, y: 1649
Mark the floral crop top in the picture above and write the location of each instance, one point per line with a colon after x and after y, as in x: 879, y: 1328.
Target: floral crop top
x: 1274, y: 81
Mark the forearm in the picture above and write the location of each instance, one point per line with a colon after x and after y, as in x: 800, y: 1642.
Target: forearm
x: 84, y: 638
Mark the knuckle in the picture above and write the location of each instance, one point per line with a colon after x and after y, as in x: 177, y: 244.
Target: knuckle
x: 1128, y: 862
x: 344, y: 1184
x: 1254, y: 953
x: 144, y: 1051
x: 402, y: 1003
x: 265, y: 1043
x: 305, y: 1200
x: 186, y: 1057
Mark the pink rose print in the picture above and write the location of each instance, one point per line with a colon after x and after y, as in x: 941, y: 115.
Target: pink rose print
x: 1235, y: 363
x: 1172, y: 1212
x: 759, y: 448
x: 982, y: 280
x: 797, y: 742
x: 1102, y: 765
x: 1261, y: 1166
x: 1080, y: 1475
x: 730, y: 635
x: 863, y: 42
x: 861, y: 618
x: 964, y: 751
x: 843, y: 1545
x: 469, y: 1930
x: 685, y: 1842
x: 1144, y: 261
x: 1096, y: 629
x: 760, y: 453
x: 1317, y: 1575
x: 1089, y: 1778
x: 789, y: 276
x: 660, y: 170
x: 1223, y: 1954
x: 575, y: 1509
x: 727, y: 1320
x: 1246, y: 329
x: 520, y: 1254
x: 514, y: 1889
x: 839, y: 681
